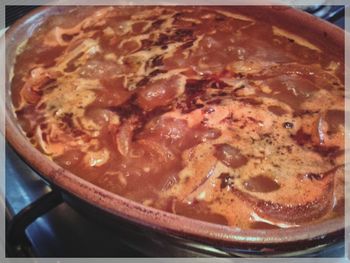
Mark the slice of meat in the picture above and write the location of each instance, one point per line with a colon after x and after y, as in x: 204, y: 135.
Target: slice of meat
x: 159, y: 92
x: 35, y: 83
x: 301, y: 199
x: 230, y: 155
x: 261, y: 184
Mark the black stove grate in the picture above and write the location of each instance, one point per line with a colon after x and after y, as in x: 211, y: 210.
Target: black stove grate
x: 13, y: 13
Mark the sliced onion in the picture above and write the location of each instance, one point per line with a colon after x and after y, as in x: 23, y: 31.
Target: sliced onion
x: 123, y: 138
x: 98, y: 158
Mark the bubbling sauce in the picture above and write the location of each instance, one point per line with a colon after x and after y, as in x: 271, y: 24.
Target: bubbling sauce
x: 203, y: 112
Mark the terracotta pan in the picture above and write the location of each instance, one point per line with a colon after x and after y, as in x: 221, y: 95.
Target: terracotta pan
x: 167, y: 225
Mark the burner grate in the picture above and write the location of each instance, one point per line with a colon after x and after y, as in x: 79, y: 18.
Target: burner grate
x: 13, y: 13
x: 333, y: 14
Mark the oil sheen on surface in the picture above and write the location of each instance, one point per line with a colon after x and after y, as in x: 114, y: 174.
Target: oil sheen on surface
x: 202, y: 112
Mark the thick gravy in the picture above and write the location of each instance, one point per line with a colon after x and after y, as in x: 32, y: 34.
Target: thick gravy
x: 199, y: 111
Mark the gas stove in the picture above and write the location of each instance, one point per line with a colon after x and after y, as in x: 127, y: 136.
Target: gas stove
x: 40, y: 224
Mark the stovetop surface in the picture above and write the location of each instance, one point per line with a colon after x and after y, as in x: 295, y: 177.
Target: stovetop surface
x: 63, y: 232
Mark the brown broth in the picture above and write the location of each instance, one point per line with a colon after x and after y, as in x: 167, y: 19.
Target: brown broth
x: 205, y: 113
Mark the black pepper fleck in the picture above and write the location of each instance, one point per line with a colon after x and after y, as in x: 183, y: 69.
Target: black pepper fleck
x: 288, y: 125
